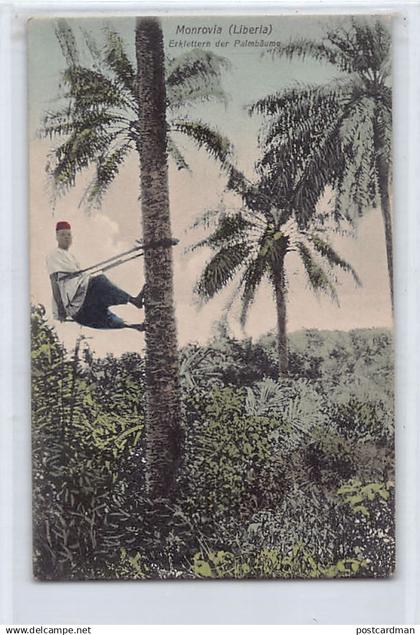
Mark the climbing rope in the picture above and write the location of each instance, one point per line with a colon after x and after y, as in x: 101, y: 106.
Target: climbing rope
x: 119, y: 259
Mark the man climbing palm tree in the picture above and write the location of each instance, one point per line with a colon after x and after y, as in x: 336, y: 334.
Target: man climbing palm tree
x: 85, y: 299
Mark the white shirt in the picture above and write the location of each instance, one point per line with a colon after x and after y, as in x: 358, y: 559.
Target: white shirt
x: 72, y: 290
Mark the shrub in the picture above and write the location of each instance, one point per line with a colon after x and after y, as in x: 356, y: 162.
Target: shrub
x: 289, y: 477
x: 229, y: 454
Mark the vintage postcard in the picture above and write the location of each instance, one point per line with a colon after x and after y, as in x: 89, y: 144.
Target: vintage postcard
x: 212, y: 297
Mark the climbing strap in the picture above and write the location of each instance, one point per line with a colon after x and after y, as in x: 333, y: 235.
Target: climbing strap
x: 154, y: 244
x: 125, y: 256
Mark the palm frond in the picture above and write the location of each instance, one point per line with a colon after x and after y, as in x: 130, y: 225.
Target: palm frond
x: 58, y: 122
x: 374, y: 41
x: 251, y: 279
x: 221, y: 269
x: 344, y: 204
x: 208, y: 218
x: 179, y: 99
x: 195, y: 76
x: 317, y: 277
x: 230, y: 227
x: 217, y: 145
x: 79, y: 151
x: 382, y: 42
x: 385, y: 98
x: 273, y: 104
x: 107, y: 168
x: 358, y: 139
x: 363, y: 47
x: 324, y: 162
x: 238, y: 182
x: 93, y: 48
x: 89, y: 89
x: 176, y: 154
x: 229, y: 304
x: 265, y: 397
x: 257, y: 200
x: 299, y: 147
x: 300, y: 115
x: 67, y: 42
x: 355, y: 47
x: 117, y: 60
x: 64, y: 122
x: 303, y: 48
x: 327, y: 252
x: 295, y: 142
x: 384, y: 126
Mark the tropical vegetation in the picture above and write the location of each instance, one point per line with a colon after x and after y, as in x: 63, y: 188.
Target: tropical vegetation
x: 97, y: 120
x: 251, y: 244
x: 341, y: 130
x: 275, y: 472
x: 278, y: 453
x: 110, y: 107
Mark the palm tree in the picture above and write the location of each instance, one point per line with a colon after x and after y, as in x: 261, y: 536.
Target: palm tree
x: 163, y: 432
x: 252, y: 243
x: 98, y: 118
x: 343, y: 128
x: 110, y: 109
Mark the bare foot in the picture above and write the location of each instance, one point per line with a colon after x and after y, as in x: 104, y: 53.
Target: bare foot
x: 138, y: 300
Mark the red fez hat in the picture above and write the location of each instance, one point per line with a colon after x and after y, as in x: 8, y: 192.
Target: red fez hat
x: 62, y: 224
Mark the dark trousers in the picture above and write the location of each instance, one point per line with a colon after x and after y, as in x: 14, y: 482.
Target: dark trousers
x: 101, y: 294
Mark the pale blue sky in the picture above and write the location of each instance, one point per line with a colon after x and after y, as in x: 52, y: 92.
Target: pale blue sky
x: 251, y: 77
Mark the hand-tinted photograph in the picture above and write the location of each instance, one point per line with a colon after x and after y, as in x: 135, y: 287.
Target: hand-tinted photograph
x: 211, y: 297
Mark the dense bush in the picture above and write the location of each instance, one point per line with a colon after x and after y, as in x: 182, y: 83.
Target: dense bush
x: 288, y: 477
x: 229, y: 454
x: 82, y: 432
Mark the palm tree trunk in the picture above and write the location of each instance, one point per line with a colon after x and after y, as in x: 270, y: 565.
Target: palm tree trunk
x: 382, y: 169
x: 386, y: 215
x: 279, y: 282
x: 163, y: 436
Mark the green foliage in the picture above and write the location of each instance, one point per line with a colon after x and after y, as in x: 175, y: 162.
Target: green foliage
x: 226, y: 361
x: 227, y: 454
x: 216, y: 145
x: 252, y: 244
x: 357, y: 494
x: 280, y: 478
x: 79, y: 445
x: 335, y: 132
x: 317, y: 277
x: 131, y: 567
x: 220, y: 564
x: 271, y: 563
x: 194, y: 77
x: 97, y: 120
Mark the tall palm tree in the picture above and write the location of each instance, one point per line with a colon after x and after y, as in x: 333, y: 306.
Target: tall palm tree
x: 110, y: 108
x: 97, y: 121
x: 163, y: 437
x: 251, y: 244
x: 348, y: 122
